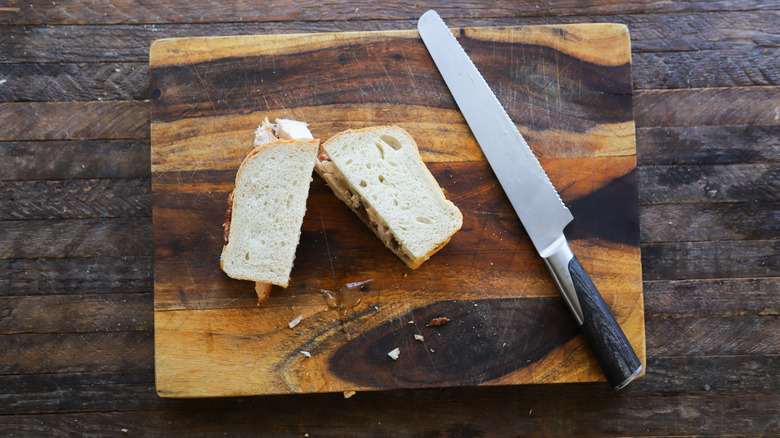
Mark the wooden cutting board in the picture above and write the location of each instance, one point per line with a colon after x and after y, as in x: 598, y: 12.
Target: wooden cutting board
x: 568, y: 89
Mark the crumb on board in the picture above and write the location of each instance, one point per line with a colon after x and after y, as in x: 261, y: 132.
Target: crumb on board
x: 305, y: 353
x: 348, y: 394
x: 440, y: 320
x: 295, y: 321
x: 418, y: 337
x: 394, y: 353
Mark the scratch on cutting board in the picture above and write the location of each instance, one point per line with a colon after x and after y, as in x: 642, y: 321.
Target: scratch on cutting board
x: 327, y: 248
x: 189, y: 273
x: 194, y: 70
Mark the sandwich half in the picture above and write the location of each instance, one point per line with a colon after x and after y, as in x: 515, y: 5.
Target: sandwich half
x: 265, y: 210
x: 379, y: 174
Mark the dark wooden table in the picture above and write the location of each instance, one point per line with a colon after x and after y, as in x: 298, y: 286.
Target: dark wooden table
x: 76, y: 268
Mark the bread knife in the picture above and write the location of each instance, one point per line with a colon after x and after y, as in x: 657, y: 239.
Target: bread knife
x: 535, y: 200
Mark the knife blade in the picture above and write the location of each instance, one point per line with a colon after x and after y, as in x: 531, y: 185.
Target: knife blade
x: 533, y: 197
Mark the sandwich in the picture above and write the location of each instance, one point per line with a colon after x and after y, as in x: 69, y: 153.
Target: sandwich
x: 379, y: 174
x: 265, y: 210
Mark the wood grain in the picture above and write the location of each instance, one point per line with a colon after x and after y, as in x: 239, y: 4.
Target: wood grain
x: 86, y: 313
x: 730, y: 106
x: 81, y: 82
x: 208, y: 92
x: 75, y: 199
x: 711, y: 259
x: 75, y: 159
x: 436, y: 413
x: 708, y: 145
x: 112, y: 237
x: 73, y: 120
x: 74, y: 276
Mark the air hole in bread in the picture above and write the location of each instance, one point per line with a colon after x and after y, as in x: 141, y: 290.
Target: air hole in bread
x: 363, y: 184
x: 395, y: 202
x: 368, y: 165
x: 391, y: 141
x: 392, y: 163
x: 381, y: 178
x: 381, y: 150
x: 423, y: 220
x: 246, y: 256
x: 349, y: 161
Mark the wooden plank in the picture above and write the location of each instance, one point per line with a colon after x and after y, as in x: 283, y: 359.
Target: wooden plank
x: 718, y: 376
x: 75, y: 159
x: 724, y: 67
x: 76, y: 313
x: 437, y: 413
x: 708, y: 145
x: 76, y: 275
x: 78, y: 392
x: 730, y: 259
x: 78, y: 82
x: 73, y: 120
x: 710, y: 183
x: 705, y: 337
x: 75, y: 199
x: 76, y: 352
x: 715, y: 221
x: 114, y: 237
x: 712, y: 298
x: 663, y: 32
x: 36, y: 12
x: 707, y: 107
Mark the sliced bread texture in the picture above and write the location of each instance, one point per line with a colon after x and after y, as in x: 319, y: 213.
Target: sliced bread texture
x: 379, y: 174
x: 266, y: 209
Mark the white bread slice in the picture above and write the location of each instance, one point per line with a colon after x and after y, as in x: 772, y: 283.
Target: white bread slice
x: 379, y: 174
x: 266, y: 211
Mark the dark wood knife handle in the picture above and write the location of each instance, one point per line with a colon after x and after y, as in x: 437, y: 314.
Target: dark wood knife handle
x: 617, y: 358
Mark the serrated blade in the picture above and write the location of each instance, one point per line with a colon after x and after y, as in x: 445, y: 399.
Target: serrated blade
x: 527, y: 186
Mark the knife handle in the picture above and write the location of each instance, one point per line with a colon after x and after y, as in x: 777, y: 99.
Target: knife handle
x: 617, y: 358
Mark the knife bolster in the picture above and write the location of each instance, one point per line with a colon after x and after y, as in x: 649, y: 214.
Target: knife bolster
x: 558, y: 264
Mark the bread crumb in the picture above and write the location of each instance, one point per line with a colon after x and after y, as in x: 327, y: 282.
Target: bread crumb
x: 432, y: 350
x: 395, y: 353
x: 295, y: 321
x: 435, y: 322
x: 348, y: 394
x: 419, y: 337
x: 305, y: 353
